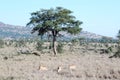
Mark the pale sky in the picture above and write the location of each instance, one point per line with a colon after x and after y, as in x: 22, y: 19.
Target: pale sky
x: 98, y: 16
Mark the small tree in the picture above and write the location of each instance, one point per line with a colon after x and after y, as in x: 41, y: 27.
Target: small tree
x: 117, y: 54
x: 118, y: 36
x: 54, y: 21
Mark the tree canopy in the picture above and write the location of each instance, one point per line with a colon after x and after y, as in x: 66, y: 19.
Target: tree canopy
x: 54, y: 20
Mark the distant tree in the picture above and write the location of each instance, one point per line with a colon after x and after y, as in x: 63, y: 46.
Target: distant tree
x: 105, y: 39
x: 54, y: 21
x: 118, y: 36
x: 117, y: 54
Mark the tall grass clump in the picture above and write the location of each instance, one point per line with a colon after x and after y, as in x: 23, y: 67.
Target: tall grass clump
x: 60, y: 47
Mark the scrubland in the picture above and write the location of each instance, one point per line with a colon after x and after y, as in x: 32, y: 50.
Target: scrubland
x: 76, y: 62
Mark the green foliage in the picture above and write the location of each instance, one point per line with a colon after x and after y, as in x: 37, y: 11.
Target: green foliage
x: 109, y: 49
x: 106, y: 51
x: 39, y: 45
x: 60, y: 47
x: 118, y: 36
x: 54, y: 21
x: 74, y: 41
x: 81, y: 39
x: 58, y: 19
x: 117, y: 54
x: 106, y: 39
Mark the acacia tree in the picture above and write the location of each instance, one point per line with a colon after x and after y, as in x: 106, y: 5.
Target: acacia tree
x: 54, y: 20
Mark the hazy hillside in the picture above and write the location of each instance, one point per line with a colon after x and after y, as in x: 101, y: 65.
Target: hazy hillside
x: 15, y: 32
x: 12, y: 31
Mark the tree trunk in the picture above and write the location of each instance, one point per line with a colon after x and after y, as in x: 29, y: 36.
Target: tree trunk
x: 54, y: 45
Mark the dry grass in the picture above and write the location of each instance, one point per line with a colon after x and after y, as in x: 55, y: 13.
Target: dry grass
x: 72, y: 65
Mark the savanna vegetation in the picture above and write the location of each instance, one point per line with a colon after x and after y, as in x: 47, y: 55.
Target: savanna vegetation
x: 77, y: 59
x: 53, y: 21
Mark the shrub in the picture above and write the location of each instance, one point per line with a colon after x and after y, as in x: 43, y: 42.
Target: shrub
x: 39, y: 45
x: 60, y: 47
x: 110, y: 49
x: 74, y: 41
x: 117, y: 54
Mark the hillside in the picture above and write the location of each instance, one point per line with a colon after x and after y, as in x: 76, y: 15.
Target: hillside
x: 16, y: 32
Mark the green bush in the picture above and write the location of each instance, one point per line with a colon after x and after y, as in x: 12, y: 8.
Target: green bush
x: 117, y: 54
x: 60, y: 47
x: 39, y: 45
x: 74, y: 41
x: 110, y: 49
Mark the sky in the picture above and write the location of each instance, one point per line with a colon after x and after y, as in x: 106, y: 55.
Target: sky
x: 98, y: 16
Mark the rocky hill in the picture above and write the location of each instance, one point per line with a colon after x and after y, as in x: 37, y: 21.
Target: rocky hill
x: 14, y: 32
x: 8, y: 31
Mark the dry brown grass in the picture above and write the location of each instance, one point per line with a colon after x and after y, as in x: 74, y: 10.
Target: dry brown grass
x: 72, y: 65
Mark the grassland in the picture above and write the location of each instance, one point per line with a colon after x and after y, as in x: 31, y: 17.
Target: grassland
x: 90, y: 63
